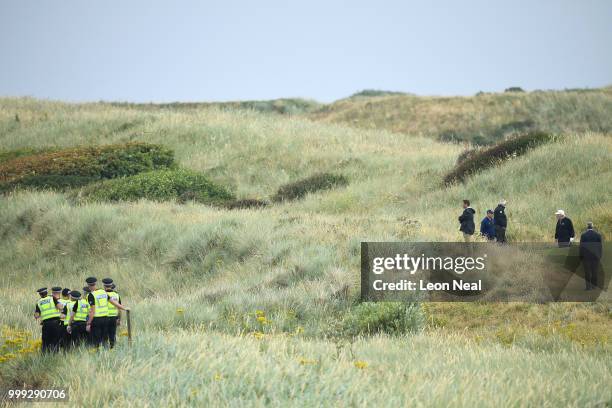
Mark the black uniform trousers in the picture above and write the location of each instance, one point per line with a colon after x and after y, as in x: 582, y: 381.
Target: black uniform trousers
x: 51, y: 335
x: 112, y: 330
x: 79, y: 334
x: 65, y: 337
x: 99, y: 330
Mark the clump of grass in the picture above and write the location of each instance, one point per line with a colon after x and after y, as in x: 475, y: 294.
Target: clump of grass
x: 77, y: 166
x: 317, y: 182
x: 486, y: 158
x: 246, y: 203
x: 385, y: 317
x: 161, y: 185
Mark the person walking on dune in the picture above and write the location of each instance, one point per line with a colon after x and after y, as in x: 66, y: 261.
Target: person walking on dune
x: 466, y: 221
x: 501, y: 221
x: 590, y: 255
x: 564, y: 231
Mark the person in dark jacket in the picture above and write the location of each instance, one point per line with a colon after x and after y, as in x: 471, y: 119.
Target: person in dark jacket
x: 590, y: 255
x: 564, y: 232
x: 487, y: 227
x: 466, y: 221
x: 501, y: 221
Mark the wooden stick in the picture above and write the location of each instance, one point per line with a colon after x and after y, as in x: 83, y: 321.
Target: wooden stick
x: 129, y: 327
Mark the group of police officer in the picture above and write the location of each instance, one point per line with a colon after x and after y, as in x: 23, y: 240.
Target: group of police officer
x: 69, y: 320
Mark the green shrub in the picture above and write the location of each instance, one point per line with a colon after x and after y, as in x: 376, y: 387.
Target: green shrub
x: 92, y: 162
x: 317, y: 182
x: 161, y: 185
x: 488, y: 157
x: 383, y: 317
x: 246, y: 203
x: 514, y: 89
x: 47, y: 182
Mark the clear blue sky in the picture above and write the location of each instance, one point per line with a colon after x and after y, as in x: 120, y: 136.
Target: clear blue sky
x: 146, y: 50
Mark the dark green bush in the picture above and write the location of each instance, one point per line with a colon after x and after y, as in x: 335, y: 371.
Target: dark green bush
x: 246, y: 203
x: 383, y: 317
x: 48, y: 182
x: 84, y: 163
x: 317, y: 182
x: 488, y: 157
x: 514, y: 89
x: 161, y: 185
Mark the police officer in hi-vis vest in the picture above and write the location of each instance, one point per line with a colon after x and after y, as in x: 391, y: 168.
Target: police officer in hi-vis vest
x: 97, y: 323
x: 114, y: 315
x: 64, y: 300
x: 78, y: 319
x: 86, y: 292
x: 48, y: 314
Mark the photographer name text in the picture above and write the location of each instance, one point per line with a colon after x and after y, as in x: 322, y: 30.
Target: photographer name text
x: 422, y: 285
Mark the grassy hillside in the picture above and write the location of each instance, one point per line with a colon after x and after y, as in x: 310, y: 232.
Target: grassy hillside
x: 197, y: 276
x: 283, y: 106
x: 480, y: 119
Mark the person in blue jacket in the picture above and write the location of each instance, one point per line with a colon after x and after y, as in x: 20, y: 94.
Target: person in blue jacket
x: 487, y: 226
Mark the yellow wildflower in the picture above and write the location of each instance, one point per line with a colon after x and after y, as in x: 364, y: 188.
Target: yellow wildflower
x: 361, y: 364
x: 305, y: 361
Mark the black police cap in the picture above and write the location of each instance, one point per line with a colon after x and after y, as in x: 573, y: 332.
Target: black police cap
x: 75, y: 294
x: 86, y: 289
x: 42, y: 290
x: 91, y: 280
x: 107, y: 281
x: 65, y: 291
x: 56, y: 289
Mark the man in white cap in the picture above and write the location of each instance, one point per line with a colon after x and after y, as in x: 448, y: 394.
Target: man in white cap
x: 564, y: 232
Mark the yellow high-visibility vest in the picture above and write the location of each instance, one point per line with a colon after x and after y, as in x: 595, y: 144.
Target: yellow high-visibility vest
x: 101, y: 304
x: 112, y: 309
x: 47, y: 308
x: 69, y: 306
x: 63, y: 302
x: 82, y: 311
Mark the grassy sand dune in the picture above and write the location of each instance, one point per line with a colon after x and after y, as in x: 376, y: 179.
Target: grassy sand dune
x: 483, y: 118
x: 196, y: 275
